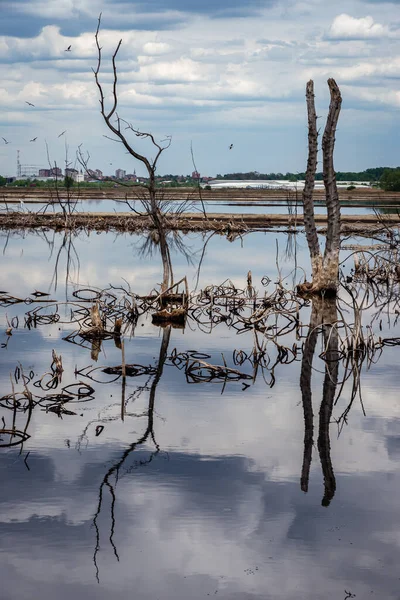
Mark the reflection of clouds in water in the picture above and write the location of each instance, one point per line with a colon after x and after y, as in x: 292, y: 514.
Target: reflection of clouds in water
x: 109, y: 259
x: 252, y: 423
x: 216, y: 522
x: 231, y: 502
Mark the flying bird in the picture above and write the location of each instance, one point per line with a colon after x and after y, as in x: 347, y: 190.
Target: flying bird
x: 34, y: 139
x: 62, y: 133
x: 68, y: 49
x: 230, y: 147
x: 5, y: 141
x: 29, y: 103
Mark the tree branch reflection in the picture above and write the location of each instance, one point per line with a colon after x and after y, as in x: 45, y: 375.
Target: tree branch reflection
x: 111, y: 477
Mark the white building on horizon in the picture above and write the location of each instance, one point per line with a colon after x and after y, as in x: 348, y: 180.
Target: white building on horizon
x: 283, y: 184
x: 76, y: 175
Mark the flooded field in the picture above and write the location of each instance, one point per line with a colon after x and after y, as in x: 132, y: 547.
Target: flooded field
x: 224, y: 205
x: 248, y: 453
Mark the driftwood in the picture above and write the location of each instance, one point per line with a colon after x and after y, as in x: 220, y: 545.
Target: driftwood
x: 174, y: 315
x: 173, y: 306
x: 222, y: 223
x: 200, y: 371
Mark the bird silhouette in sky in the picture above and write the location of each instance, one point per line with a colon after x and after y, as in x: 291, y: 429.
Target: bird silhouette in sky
x: 29, y: 103
x: 5, y: 141
x: 62, y: 133
x: 33, y: 140
x: 230, y: 147
x: 68, y: 49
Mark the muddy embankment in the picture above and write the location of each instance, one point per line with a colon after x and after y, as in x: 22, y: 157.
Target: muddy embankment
x: 28, y: 218
x: 224, y: 223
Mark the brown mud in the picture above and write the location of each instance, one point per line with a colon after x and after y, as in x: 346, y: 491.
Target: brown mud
x: 223, y: 222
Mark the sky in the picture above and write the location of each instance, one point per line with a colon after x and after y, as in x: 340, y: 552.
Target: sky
x: 208, y: 74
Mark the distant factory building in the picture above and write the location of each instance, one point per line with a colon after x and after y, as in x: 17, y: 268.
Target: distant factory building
x: 54, y: 172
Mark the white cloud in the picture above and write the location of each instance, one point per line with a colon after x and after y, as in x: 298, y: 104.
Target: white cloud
x: 50, y: 43
x: 378, y: 96
x: 347, y: 27
x: 156, y: 48
x: 183, y: 69
x: 386, y: 70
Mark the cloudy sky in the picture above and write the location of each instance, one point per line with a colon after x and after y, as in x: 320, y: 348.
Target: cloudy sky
x: 210, y: 73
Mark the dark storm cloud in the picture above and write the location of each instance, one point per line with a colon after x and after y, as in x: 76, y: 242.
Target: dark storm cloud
x: 16, y: 22
x: 28, y: 27
x: 223, y: 8
x: 19, y: 18
x: 13, y: 25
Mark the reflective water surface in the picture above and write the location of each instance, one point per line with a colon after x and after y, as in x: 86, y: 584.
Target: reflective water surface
x: 276, y: 476
x: 234, y: 206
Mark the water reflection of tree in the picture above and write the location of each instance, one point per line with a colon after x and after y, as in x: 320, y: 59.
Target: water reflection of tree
x: 110, y: 479
x: 150, y: 245
x: 323, y: 318
x: 62, y: 249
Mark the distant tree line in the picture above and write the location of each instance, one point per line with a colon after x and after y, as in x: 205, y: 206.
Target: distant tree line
x: 388, y: 178
x: 372, y: 175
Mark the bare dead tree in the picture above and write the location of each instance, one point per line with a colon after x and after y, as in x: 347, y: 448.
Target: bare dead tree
x: 325, y: 268
x: 61, y: 191
x: 119, y: 127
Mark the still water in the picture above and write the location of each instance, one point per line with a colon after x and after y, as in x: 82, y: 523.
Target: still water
x: 196, y: 491
x: 231, y: 207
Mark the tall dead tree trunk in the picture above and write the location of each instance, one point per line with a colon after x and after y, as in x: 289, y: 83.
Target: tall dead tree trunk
x: 325, y: 268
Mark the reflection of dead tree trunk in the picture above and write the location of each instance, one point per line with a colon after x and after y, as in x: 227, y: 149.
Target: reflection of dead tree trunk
x: 72, y: 263
x: 305, y: 386
x: 325, y: 268
x: 331, y: 343
x: 324, y: 313
x: 115, y: 469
